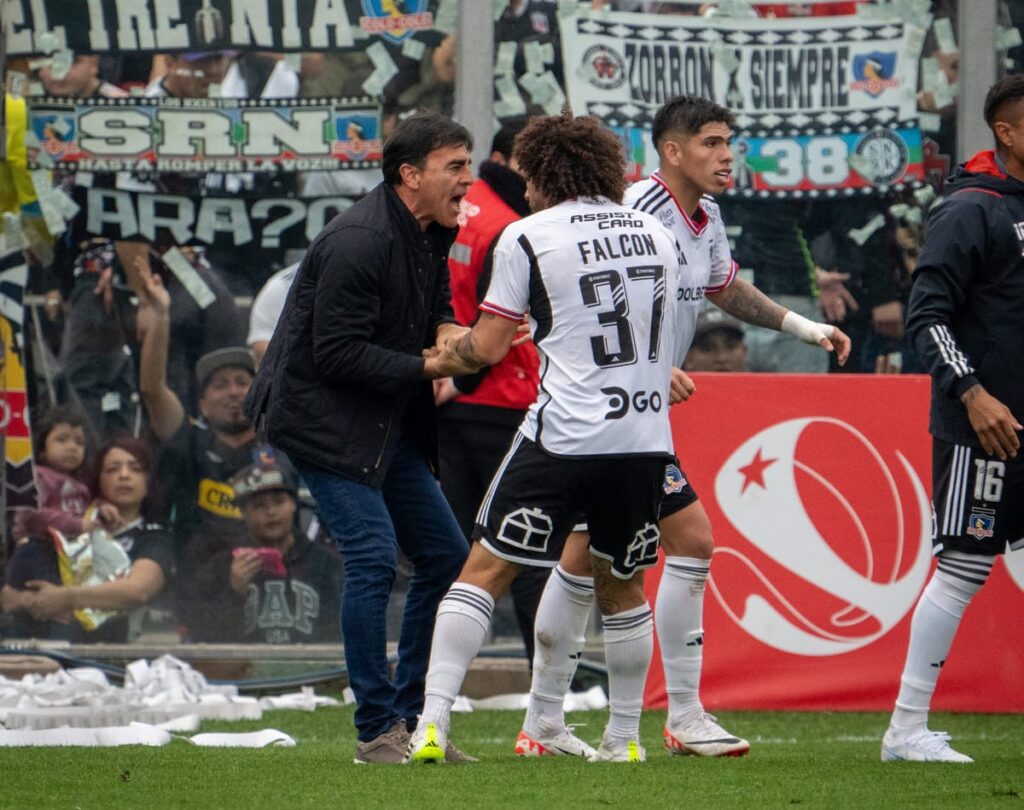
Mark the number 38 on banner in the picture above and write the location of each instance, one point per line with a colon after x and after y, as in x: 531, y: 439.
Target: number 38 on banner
x: 848, y: 162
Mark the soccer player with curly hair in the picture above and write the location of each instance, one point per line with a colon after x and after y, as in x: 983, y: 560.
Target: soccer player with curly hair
x: 597, y: 282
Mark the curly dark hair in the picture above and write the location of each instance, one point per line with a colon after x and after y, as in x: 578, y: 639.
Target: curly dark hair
x: 567, y: 157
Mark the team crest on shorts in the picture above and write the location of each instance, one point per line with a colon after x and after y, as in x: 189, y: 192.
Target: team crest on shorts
x: 980, y: 523
x: 674, y: 480
x: 528, y: 529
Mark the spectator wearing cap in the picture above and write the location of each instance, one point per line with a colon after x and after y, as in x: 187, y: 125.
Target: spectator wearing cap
x: 282, y: 588
x: 202, y: 455
x: 718, y: 344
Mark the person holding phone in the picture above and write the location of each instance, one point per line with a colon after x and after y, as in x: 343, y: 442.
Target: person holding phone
x: 282, y: 588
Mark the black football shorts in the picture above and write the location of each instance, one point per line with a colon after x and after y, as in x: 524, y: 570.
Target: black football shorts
x: 535, y: 500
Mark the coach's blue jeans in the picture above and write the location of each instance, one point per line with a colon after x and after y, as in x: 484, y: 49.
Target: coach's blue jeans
x: 369, y: 525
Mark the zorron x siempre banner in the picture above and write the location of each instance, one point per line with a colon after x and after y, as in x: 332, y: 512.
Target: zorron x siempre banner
x: 824, y: 105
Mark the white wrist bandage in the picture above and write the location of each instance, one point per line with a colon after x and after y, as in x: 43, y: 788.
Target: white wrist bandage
x: 808, y: 331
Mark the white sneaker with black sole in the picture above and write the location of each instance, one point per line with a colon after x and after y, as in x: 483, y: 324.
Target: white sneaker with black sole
x: 920, y: 746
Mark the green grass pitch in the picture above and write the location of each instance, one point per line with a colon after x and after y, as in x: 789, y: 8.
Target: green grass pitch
x: 807, y: 759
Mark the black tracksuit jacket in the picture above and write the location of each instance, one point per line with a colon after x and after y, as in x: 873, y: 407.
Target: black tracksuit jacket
x: 343, y: 375
x: 966, y: 311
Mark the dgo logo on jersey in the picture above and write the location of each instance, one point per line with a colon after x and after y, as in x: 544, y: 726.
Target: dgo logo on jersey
x: 834, y: 542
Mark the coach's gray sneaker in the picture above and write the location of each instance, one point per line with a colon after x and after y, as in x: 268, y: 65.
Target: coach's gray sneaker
x: 920, y: 746
x: 453, y: 755
x: 386, y: 749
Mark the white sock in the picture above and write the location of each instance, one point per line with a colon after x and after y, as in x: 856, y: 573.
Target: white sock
x: 956, y: 580
x: 559, y: 632
x: 678, y: 615
x: 462, y: 620
x: 628, y: 646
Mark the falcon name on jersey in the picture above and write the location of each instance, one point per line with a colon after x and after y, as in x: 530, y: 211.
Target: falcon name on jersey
x: 709, y: 264
x: 596, y: 279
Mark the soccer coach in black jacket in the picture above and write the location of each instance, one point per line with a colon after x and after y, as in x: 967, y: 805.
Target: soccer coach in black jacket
x: 345, y: 390
x: 966, y: 318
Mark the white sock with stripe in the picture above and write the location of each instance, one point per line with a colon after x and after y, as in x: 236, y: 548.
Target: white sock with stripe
x: 628, y: 646
x: 462, y: 621
x: 956, y: 580
x: 678, y: 615
x: 559, y: 632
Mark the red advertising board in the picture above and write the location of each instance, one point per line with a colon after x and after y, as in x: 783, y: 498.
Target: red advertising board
x: 818, y: 489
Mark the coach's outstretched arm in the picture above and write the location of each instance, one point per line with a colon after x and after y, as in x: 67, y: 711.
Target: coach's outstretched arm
x: 744, y: 301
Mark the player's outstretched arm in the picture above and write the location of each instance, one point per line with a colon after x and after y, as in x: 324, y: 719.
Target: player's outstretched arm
x: 744, y: 301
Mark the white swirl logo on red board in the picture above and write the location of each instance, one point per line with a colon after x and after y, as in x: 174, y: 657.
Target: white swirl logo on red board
x: 832, y: 541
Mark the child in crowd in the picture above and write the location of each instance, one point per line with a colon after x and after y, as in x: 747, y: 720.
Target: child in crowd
x: 43, y: 607
x: 60, y: 452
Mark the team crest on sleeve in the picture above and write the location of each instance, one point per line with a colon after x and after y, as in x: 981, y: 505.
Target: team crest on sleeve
x: 674, y: 481
x: 980, y: 523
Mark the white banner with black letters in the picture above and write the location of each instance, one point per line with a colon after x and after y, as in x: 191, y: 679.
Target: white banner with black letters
x: 808, y: 78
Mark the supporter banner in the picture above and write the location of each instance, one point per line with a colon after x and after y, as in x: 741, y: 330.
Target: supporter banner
x: 269, y: 222
x: 822, y: 521
x: 805, y: 91
x: 827, y: 165
x: 204, y: 135
x: 97, y: 26
x: 19, y: 480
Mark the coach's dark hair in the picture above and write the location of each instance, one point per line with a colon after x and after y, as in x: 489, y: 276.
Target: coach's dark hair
x: 567, y: 157
x: 1004, y: 91
x: 415, y: 138
x: 687, y: 114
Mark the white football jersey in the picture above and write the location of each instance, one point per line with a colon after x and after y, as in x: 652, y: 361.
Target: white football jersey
x: 597, y: 281
x: 709, y: 264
